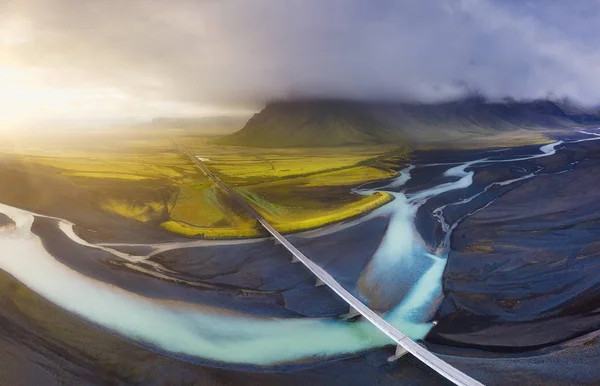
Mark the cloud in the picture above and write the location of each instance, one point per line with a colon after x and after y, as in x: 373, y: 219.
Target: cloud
x: 242, y: 53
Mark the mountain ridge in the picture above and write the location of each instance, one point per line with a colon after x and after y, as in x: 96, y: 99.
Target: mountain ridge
x: 339, y: 123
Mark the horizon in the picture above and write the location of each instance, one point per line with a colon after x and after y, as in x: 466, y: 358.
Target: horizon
x: 68, y: 124
x: 79, y: 62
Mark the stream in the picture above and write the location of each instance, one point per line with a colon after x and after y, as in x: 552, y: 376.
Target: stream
x: 404, y: 276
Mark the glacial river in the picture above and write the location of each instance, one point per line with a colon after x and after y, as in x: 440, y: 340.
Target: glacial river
x: 207, y: 333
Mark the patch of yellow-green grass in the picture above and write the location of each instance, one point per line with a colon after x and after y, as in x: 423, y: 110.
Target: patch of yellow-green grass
x: 351, y: 176
x: 318, y: 191
x: 90, y: 165
x: 239, y: 166
x: 300, y: 189
x: 202, y: 209
x: 209, y: 232
x: 198, y: 206
x: 308, y: 202
x: 295, y: 222
x: 273, y: 167
x: 508, y: 139
x: 116, y: 176
x: 125, y: 165
x: 143, y: 212
x: 288, y: 219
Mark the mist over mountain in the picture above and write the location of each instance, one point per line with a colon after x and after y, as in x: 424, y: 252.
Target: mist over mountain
x: 139, y: 59
x: 324, y: 122
x: 210, y: 125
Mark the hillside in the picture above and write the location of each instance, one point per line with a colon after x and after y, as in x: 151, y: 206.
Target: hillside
x: 312, y: 123
x: 338, y: 123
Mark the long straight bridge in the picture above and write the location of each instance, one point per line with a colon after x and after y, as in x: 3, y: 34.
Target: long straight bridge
x: 404, y: 343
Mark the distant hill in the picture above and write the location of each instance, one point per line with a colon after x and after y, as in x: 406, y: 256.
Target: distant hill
x: 209, y: 125
x: 336, y: 123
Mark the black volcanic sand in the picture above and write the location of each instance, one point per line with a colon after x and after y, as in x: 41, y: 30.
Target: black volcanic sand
x: 523, y: 272
x: 6, y: 221
x: 520, y: 279
x: 255, y: 278
x: 572, y: 363
x: 205, y: 288
x: 41, y: 344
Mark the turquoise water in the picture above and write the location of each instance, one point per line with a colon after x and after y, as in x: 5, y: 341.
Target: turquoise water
x: 178, y: 327
x: 224, y: 336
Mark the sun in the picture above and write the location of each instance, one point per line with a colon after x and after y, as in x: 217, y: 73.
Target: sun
x: 27, y: 97
x: 21, y: 99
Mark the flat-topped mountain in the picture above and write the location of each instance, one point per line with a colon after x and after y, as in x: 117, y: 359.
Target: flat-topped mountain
x: 337, y: 123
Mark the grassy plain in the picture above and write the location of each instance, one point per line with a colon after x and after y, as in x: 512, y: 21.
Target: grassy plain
x: 508, y: 139
x: 92, y: 180
x: 303, y: 188
x: 147, y: 180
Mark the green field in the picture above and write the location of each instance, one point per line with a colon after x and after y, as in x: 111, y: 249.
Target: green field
x: 148, y: 181
x: 300, y: 188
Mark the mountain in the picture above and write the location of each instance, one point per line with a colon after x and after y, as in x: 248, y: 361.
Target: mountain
x: 335, y: 123
x: 312, y: 123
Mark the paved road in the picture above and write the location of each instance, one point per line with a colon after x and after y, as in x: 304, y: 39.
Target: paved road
x: 447, y: 371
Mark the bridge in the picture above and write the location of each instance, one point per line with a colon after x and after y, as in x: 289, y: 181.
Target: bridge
x: 404, y: 343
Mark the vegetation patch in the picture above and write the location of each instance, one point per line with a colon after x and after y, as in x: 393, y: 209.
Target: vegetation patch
x: 210, y: 233
x: 151, y: 183
x: 143, y: 212
x: 117, y: 176
x: 288, y: 219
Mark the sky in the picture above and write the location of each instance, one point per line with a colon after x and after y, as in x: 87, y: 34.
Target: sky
x: 106, y: 60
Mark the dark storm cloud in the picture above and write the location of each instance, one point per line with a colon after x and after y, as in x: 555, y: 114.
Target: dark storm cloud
x: 244, y: 52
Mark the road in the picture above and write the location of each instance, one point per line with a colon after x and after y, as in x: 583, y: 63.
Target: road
x: 447, y: 371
